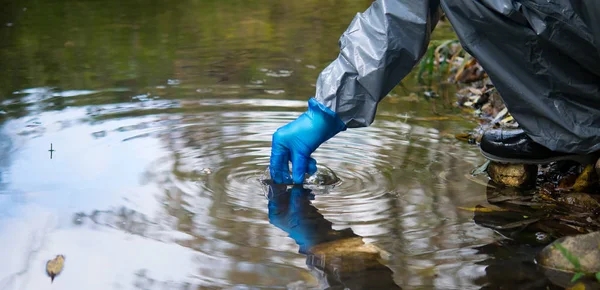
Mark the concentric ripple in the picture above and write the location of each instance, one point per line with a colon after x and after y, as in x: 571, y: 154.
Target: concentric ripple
x: 187, y: 173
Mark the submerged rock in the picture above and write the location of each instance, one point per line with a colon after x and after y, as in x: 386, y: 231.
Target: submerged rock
x: 514, y: 175
x: 575, y: 254
x: 347, y: 255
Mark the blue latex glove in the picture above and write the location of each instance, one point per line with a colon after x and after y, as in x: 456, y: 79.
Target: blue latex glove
x: 297, y: 140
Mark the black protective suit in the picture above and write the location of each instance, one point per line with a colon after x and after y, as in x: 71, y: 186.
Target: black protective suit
x: 543, y: 56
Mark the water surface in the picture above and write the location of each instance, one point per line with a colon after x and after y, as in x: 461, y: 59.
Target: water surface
x: 161, y: 116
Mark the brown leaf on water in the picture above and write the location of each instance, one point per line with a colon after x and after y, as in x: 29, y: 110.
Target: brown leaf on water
x: 469, y: 72
x: 585, y: 179
x: 55, y: 266
x: 480, y: 209
x: 567, y: 182
x: 465, y: 137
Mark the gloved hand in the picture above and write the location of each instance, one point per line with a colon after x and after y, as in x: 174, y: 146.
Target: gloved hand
x: 300, y: 138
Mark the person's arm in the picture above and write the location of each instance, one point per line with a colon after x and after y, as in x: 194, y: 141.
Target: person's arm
x: 379, y: 48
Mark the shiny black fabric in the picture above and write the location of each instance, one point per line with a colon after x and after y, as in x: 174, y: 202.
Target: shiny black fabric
x: 542, y: 56
x: 544, y: 59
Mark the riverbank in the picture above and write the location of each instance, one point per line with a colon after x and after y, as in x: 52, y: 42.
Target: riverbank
x: 535, y: 205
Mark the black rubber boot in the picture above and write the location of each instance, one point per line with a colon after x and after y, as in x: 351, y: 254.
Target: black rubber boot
x: 514, y: 146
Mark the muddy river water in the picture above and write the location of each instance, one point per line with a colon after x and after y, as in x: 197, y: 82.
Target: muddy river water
x: 160, y: 117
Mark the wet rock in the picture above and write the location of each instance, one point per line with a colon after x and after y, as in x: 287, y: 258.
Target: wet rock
x: 514, y: 175
x: 347, y: 255
x: 565, y: 280
x: 579, y: 199
x: 574, y: 254
x: 586, y: 179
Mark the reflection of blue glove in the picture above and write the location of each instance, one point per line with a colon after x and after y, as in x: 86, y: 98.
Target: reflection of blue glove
x: 300, y: 138
x: 291, y: 211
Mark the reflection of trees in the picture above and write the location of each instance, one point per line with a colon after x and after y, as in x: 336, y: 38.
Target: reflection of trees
x: 143, y: 281
x: 5, y: 160
x: 122, y: 218
x: 94, y: 45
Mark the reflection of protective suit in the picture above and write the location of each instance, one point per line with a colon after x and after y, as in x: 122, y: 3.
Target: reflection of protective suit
x: 542, y: 56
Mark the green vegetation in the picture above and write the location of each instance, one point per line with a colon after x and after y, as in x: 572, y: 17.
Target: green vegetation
x: 573, y: 260
x: 442, y: 58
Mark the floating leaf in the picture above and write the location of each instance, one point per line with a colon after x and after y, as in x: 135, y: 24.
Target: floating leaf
x: 481, y: 169
x: 480, y: 209
x: 465, y: 137
x: 585, y: 179
x: 500, y: 115
x: 55, y: 266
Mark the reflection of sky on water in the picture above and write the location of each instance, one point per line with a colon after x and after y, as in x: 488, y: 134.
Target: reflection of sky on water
x: 141, y: 194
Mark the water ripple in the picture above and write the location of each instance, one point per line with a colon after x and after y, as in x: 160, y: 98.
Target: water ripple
x: 200, y: 163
